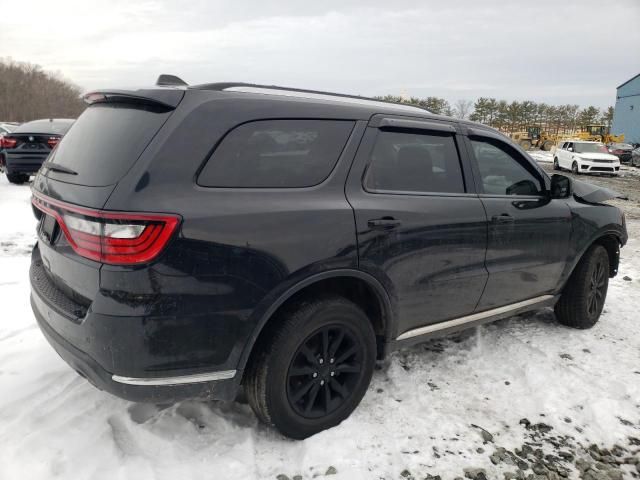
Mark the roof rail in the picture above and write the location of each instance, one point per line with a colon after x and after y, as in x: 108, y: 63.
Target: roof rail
x: 166, y: 80
x: 275, y: 89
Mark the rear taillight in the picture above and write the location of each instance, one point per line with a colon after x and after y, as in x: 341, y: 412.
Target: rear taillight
x: 53, y: 141
x: 8, y: 142
x: 117, y: 238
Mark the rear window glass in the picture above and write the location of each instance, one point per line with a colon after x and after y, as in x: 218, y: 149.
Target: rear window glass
x: 105, y: 142
x: 58, y: 127
x: 277, y: 154
x: 414, y: 163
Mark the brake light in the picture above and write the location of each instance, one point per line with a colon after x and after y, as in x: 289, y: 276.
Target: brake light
x: 8, y: 142
x: 53, y: 141
x: 117, y: 238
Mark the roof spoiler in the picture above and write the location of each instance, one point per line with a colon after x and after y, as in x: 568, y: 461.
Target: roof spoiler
x: 159, y: 98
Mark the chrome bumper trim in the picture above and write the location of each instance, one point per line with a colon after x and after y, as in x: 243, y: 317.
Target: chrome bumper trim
x: 179, y: 380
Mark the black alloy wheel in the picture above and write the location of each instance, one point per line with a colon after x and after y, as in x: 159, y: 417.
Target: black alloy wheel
x: 598, y: 289
x: 324, y: 371
x: 583, y: 297
x: 312, y: 367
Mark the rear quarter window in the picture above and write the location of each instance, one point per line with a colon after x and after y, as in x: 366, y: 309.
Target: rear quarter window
x: 276, y: 154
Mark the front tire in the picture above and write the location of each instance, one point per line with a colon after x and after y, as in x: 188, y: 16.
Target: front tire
x: 583, y: 298
x: 574, y: 168
x: 310, y: 371
x: 556, y: 165
x: 525, y: 144
x: 17, y: 178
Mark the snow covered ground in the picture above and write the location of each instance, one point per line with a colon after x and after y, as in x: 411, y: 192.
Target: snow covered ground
x: 424, y: 413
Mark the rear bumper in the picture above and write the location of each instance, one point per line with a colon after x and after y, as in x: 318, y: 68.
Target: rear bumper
x: 24, y: 163
x: 114, y: 353
x: 152, y: 390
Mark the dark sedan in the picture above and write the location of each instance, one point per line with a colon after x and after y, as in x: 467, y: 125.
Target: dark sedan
x: 27, y: 147
x: 621, y: 150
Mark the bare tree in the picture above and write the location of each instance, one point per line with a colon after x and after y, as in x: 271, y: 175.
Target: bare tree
x: 27, y: 92
x: 462, y: 109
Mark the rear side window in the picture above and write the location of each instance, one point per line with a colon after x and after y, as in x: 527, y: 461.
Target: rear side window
x: 277, y: 154
x: 105, y: 142
x: 414, y: 162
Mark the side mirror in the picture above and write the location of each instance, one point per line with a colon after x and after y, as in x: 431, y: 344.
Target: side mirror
x: 560, y: 186
x: 570, y: 149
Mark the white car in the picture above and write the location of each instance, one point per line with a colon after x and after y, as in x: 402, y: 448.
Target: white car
x: 585, y: 157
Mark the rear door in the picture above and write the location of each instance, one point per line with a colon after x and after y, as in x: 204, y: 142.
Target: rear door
x: 528, y: 232
x: 421, y: 228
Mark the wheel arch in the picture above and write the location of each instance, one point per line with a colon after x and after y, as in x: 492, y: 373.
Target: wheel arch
x: 611, y: 240
x: 355, y: 285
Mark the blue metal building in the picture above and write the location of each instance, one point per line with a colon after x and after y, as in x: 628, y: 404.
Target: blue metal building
x: 626, y: 117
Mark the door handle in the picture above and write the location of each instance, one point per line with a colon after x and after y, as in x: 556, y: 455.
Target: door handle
x: 384, y: 223
x: 503, y: 218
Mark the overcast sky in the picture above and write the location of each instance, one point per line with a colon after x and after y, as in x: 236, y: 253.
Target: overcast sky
x: 562, y: 51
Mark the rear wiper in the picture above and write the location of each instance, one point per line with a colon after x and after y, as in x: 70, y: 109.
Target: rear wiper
x: 59, y: 168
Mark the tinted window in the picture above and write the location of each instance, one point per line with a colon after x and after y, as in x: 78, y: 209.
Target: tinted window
x: 277, y: 153
x: 503, y: 171
x: 413, y: 162
x: 105, y: 142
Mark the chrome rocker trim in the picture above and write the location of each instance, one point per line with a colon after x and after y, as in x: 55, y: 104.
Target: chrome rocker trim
x: 472, y: 318
x: 180, y: 380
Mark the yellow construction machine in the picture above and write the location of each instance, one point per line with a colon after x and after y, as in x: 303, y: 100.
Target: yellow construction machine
x: 598, y: 133
x: 532, y: 136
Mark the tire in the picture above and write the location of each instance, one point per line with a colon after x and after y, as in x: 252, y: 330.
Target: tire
x: 574, y: 168
x: 296, y: 403
x: 17, y: 178
x: 556, y: 165
x: 525, y: 144
x: 583, y: 298
x: 546, y: 146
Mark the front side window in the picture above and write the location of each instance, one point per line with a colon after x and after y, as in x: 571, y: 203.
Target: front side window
x: 414, y: 163
x: 502, y: 170
x: 277, y: 154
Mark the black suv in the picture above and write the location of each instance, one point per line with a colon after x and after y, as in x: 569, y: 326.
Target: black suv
x: 196, y: 239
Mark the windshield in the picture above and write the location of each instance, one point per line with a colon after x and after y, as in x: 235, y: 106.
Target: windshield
x: 626, y: 146
x: 589, y: 148
x: 59, y: 127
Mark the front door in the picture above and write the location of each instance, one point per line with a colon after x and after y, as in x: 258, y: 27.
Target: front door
x: 528, y: 232
x: 422, y: 230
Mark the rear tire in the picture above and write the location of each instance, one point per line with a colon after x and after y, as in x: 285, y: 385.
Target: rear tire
x: 17, y: 178
x: 546, y: 146
x: 583, y: 298
x: 289, y: 380
x: 556, y: 165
